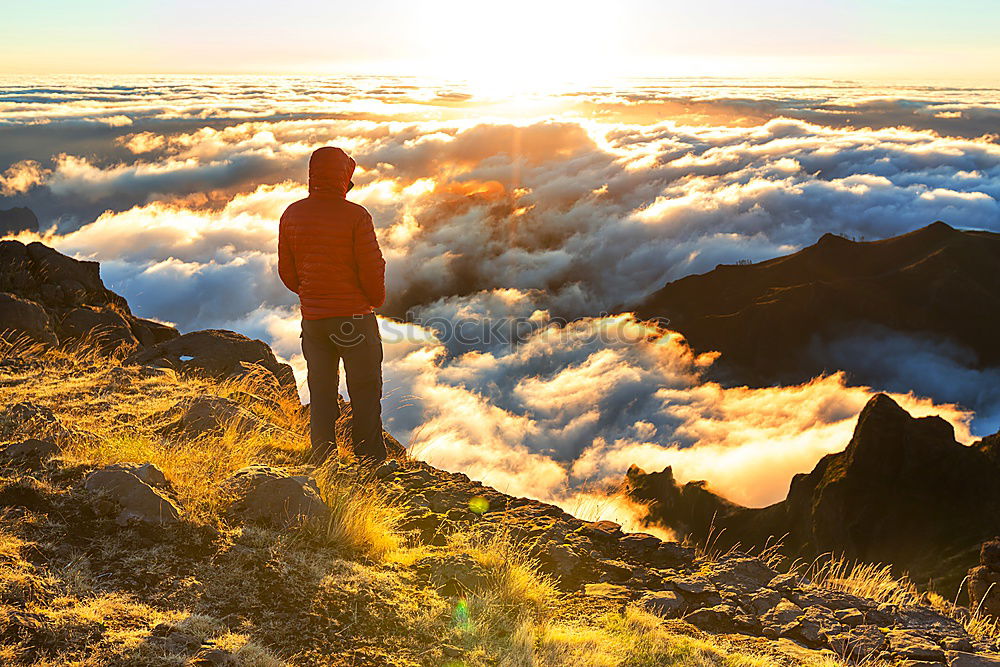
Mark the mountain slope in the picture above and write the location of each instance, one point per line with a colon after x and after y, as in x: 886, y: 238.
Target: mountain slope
x: 766, y: 318
x: 158, y: 515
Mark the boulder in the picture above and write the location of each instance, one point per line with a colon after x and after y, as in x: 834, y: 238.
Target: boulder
x: 672, y: 554
x: 911, y: 645
x: 666, y: 604
x: 217, y: 353
x: 32, y: 448
x: 602, y: 531
x: 858, y: 645
x: 963, y: 659
x: 24, y: 317
x: 744, y: 575
x: 147, y: 472
x: 984, y: 580
x: 138, y: 500
x: 781, y: 619
x: 722, y: 618
x: 639, y: 545
x: 100, y: 325
x: 264, y: 494
x: 150, y: 332
x: 209, y: 414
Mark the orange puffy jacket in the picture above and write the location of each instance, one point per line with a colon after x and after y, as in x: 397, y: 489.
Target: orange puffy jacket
x: 327, y: 250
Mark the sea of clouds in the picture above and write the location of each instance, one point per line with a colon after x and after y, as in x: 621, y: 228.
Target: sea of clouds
x: 553, y: 213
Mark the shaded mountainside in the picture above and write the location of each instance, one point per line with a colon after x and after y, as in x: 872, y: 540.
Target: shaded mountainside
x: 17, y: 219
x: 904, y: 492
x: 765, y: 318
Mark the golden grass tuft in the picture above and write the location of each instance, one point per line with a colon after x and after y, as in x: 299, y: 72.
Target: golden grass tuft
x: 363, y: 521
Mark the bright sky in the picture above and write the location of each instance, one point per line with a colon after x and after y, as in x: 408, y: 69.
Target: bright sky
x: 514, y: 39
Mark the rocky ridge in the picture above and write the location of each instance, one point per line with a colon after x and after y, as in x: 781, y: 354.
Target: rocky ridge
x: 903, y: 492
x: 771, y: 319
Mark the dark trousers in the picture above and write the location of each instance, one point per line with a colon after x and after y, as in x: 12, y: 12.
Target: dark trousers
x: 356, y: 340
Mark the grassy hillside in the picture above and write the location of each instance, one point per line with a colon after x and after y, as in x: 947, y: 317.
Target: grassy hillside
x: 363, y: 587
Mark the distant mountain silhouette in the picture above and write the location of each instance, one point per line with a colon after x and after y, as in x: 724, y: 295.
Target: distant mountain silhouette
x: 17, y: 219
x: 766, y: 318
x: 903, y: 492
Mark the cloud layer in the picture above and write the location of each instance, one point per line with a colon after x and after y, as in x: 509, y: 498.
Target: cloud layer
x: 572, y: 206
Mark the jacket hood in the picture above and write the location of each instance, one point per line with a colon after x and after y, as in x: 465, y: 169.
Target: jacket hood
x: 330, y: 171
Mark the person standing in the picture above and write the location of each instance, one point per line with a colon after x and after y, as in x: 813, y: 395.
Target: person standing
x: 328, y: 254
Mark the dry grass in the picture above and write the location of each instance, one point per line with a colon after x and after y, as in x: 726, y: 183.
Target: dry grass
x: 347, y: 587
x: 363, y: 521
x: 876, y: 582
x: 879, y: 583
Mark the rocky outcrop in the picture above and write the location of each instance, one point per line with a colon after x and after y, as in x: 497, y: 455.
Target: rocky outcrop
x: 32, y: 448
x: 139, y: 492
x: 984, y: 580
x: 902, y: 492
x: 21, y: 316
x: 769, y: 319
x: 54, y: 298
x: 218, y: 353
x: 597, y: 562
x: 17, y: 219
x: 263, y: 494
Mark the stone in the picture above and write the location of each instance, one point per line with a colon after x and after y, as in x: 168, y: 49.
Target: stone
x: 666, y: 604
x: 989, y: 554
x: 850, y: 617
x: 602, y: 531
x: 742, y: 574
x: 23, y: 317
x: 909, y: 644
x: 147, y: 472
x: 212, y: 657
x: 562, y: 561
x: 858, y: 645
x: 785, y: 583
x: 605, y: 590
x: 815, y: 624
x: 211, y: 414
x: 672, y: 554
x: 264, y: 494
x: 781, y: 619
x: 614, y: 570
x: 100, y: 325
x: 764, y: 601
x: 216, y: 353
x: 695, y: 585
x: 964, y: 659
x: 639, y: 544
x: 181, y: 643
x: 32, y: 448
x: 138, y: 500
x: 929, y: 622
x: 387, y: 469
x: 720, y: 618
